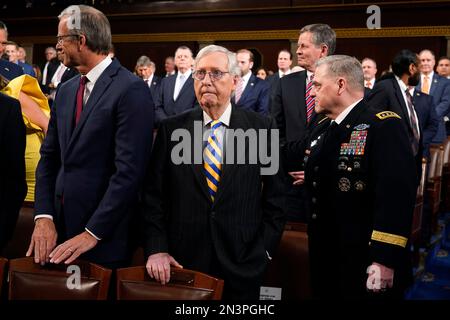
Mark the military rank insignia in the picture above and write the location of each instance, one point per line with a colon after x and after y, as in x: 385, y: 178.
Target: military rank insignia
x: 356, y: 144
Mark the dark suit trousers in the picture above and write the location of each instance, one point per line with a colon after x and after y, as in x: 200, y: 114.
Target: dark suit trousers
x: 234, y: 289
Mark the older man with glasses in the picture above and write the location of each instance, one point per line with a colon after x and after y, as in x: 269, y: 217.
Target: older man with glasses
x: 219, y: 217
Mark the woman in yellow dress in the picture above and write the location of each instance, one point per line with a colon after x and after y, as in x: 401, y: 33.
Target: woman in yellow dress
x: 36, y: 115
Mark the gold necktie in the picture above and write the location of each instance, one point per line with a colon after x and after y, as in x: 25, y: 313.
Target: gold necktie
x: 426, y: 85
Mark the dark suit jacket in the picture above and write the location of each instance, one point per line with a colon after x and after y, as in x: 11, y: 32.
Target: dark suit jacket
x: 367, y: 93
x: 361, y: 203
x: 154, y: 87
x: 165, y: 106
x: 289, y: 107
x: 10, y: 70
x: 440, y: 91
x: 68, y: 74
x: 256, y: 96
x: 428, y: 120
x: 95, y: 169
x: 244, y: 222
x: 387, y: 95
x: 27, y: 69
x: 13, y: 187
x: 273, y: 81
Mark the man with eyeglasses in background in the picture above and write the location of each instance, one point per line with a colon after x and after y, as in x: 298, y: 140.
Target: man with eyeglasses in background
x: 8, y: 69
x: 217, y: 217
x: 94, y: 156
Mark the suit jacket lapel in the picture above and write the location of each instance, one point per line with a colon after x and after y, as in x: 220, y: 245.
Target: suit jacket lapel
x: 171, y: 87
x: 100, y: 86
x: 401, y: 100
x: 188, y: 85
x: 229, y: 169
x: 300, y: 87
x: 198, y: 168
x: 248, y: 88
x: 433, y: 84
x: 68, y: 110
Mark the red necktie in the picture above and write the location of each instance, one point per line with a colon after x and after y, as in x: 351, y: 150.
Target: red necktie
x: 310, y: 101
x: 80, y: 94
x: 239, y: 90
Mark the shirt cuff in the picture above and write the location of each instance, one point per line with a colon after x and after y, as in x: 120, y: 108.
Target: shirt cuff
x: 446, y: 119
x: 48, y: 216
x: 268, y: 255
x: 90, y: 232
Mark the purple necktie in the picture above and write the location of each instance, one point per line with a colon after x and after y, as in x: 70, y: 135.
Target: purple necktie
x: 80, y: 94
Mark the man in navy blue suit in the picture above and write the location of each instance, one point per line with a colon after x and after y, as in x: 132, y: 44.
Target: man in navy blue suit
x: 429, y: 121
x: 436, y: 86
x: 95, y: 153
x: 176, y: 92
x: 12, y: 49
x: 251, y: 92
x: 145, y: 69
x: 7, y: 69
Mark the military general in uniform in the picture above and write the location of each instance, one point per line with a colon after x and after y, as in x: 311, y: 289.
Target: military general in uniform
x: 361, y: 181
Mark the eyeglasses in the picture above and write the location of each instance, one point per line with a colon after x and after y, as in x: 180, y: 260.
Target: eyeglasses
x: 60, y: 39
x: 213, y: 75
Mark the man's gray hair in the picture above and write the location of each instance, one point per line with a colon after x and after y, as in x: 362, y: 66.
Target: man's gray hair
x: 184, y: 48
x: 322, y: 34
x: 3, y: 27
x: 428, y: 51
x: 50, y: 49
x: 369, y: 59
x: 233, y: 66
x: 92, y: 23
x: 344, y: 66
x: 144, y: 61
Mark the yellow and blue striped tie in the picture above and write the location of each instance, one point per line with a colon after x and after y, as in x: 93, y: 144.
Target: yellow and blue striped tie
x: 212, y: 156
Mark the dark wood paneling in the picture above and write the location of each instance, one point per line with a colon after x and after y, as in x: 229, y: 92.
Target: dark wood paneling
x: 198, y: 16
x: 251, y: 15
x: 268, y: 51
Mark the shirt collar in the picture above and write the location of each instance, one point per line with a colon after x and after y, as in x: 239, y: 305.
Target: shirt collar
x: 186, y: 74
x: 247, y: 77
x: 430, y: 76
x: 224, y: 118
x: 281, y: 73
x: 149, y: 79
x: 346, y: 111
x: 308, y: 75
x: 97, y: 71
x: 402, y: 85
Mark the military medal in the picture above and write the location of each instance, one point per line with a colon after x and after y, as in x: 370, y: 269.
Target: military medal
x: 359, y: 185
x: 356, y: 144
x: 344, y: 184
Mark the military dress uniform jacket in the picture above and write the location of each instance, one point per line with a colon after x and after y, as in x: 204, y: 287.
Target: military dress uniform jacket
x: 361, y: 182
